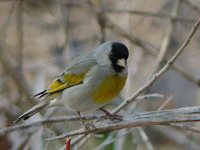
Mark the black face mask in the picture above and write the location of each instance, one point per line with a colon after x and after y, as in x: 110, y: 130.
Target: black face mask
x: 118, y: 51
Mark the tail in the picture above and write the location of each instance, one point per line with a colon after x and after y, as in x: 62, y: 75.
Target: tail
x: 32, y: 111
x: 41, y: 94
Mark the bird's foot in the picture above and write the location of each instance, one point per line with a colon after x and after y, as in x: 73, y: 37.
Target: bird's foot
x: 111, y: 116
x: 87, y: 126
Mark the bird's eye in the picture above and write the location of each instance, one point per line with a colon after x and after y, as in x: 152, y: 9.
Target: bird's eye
x: 111, y: 55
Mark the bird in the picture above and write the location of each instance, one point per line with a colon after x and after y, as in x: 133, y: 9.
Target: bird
x: 88, y: 83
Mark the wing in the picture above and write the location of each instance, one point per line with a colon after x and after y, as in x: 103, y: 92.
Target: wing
x: 73, y: 75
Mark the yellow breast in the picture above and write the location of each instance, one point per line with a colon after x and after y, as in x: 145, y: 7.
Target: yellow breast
x: 108, y: 89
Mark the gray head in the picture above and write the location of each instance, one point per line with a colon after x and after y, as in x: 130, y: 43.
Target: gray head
x: 113, y: 54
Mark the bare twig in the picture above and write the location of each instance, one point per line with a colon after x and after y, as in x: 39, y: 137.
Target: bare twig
x: 145, y: 139
x: 187, y: 114
x: 68, y: 118
x: 194, y: 7
x: 100, y: 20
x: 64, y: 21
x: 149, y: 48
x: 17, y: 77
x: 109, y: 139
x: 165, y: 103
x: 178, y: 126
x: 165, y: 44
x: 150, y: 97
x: 48, y: 120
x: 185, y: 127
x: 4, y: 26
x: 134, y: 12
x: 77, y: 139
x: 139, y: 98
x: 82, y: 142
x: 161, y: 72
x: 19, y: 80
x: 152, y: 14
x: 177, y: 137
x: 20, y: 33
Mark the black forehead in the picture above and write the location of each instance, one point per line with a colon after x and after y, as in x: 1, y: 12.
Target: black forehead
x: 119, y: 50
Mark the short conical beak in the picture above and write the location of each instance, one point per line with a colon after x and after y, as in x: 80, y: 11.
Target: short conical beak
x: 121, y: 62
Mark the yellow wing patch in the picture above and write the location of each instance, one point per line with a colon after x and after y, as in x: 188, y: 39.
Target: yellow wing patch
x: 109, y: 88
x: 68, y: 81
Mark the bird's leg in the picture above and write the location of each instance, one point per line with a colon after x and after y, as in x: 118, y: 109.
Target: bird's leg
x: 88, y: 125
x: 111, y: 116
x: 81, y: 120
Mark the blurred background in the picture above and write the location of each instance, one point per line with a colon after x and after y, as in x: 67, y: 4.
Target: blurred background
x: 39, y: 38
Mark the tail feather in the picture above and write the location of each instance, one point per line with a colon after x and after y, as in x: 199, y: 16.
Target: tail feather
x: 32, y: 111
x: 41, y: 94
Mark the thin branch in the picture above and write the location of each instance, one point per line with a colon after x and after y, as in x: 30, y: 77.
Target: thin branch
x: 48, y: 120
x: 100, y: 21
x: 178, y: 126
x: 150, y: 97
x: 82, y: 143
x: 165, y: 103
x: 139, y: 98
x: 177, y: 137
x: 77, y: 139
x: 145, y: 139
x: 109, y: 139
x: 68, y: 118
x: 134, y: 12
x: 187, y: 114
x: 152, y: 14
x: 194, y: 7
x: 4, y: 26
x: 185, y: 127
x: 17, y: 77
x: 166, y: 42
x: 20, y: 34
x: 64, y: 21
x: 148, y: 47
x: 161, y: 72
x: 19, y: 80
